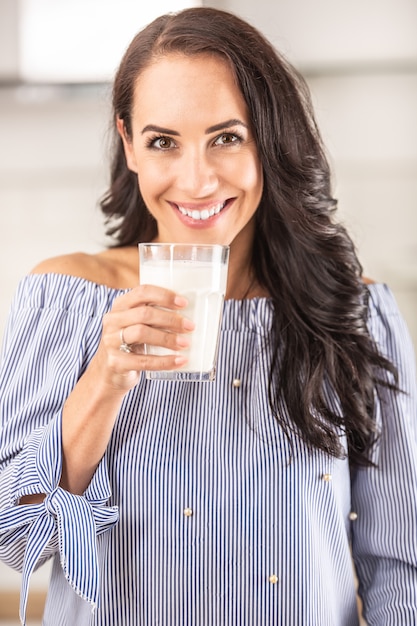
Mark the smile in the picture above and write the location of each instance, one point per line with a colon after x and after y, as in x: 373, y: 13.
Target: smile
x: 205, y: 214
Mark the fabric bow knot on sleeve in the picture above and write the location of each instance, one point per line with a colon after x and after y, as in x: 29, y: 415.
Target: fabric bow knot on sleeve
x: 63, y: 520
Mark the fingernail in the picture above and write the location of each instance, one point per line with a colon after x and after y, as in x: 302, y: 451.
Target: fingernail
x: 188, y: 324
x: 180, y: 360
x: 183, y: 341
x: 180, y: 301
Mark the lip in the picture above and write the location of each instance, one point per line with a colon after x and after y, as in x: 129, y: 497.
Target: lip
x: 201, y: 215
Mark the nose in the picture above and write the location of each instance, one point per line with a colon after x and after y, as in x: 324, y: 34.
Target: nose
x: 196, y: 174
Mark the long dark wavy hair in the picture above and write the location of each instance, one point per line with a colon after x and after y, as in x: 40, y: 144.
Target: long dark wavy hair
x: 301, y: 255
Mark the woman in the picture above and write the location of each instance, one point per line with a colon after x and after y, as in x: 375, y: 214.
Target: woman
x: 236, y: 502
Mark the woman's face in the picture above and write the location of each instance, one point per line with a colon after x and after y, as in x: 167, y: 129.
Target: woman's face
x: 193, y: 151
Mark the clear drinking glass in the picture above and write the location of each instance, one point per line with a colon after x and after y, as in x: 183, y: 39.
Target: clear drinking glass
x: 199, y: 273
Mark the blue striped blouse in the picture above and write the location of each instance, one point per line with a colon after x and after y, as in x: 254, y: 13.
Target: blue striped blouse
x: 200, y: 513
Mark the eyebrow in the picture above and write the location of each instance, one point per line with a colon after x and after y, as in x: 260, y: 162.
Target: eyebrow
x: 159, y: 129
x: 211, y: 129
x: 227, y: 124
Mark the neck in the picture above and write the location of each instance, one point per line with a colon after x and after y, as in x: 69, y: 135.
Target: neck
x: 241, y: 280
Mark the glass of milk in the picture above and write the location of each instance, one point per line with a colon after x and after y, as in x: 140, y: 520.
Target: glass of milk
x: 199, y: 273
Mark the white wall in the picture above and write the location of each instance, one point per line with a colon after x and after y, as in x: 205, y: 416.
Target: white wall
x: 334, y: 33
x: 52, y: 171
x: 370, y: 124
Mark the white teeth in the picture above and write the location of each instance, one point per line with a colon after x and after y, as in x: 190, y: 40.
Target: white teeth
x: 204, y: 214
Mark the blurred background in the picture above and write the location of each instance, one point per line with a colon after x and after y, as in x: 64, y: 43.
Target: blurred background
x: 57, y: 60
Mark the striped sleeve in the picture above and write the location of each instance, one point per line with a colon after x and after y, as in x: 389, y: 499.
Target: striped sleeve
x: 52, y: 332
x: 385, y: 496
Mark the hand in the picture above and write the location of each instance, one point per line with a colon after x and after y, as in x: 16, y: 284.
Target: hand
x: 146, y: 314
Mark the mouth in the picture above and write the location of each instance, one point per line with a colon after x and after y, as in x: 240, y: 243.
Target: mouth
x: 202, y: 214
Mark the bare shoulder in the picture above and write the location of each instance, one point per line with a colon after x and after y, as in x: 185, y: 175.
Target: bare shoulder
x: 77, y: 264
x: 368, y: 281
x: 116, y: 268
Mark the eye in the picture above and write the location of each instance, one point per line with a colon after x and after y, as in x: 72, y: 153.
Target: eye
x: 161, y: 142
x: 227, y: 139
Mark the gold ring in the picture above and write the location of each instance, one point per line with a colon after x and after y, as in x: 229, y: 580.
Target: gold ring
x: 124, y: 347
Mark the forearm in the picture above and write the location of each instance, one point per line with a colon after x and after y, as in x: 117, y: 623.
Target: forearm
x: 88, y: 418
x: 86, y: 406
x: 91, y: 410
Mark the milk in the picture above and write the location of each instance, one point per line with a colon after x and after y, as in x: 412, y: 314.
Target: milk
x: 204, y: 285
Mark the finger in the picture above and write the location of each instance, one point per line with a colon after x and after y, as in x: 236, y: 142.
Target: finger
x: 142, y: 362
x: 149, y: 294
x: 159, y: 318
x: 140, y: 335
x: 143, y: 316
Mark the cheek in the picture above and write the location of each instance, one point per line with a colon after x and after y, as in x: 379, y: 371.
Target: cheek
x: 245, y: 171
x: 251, y: 178
x: 150, y: 179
